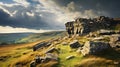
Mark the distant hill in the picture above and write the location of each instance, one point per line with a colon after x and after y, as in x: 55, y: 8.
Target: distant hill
x: 15, y: 38
x: 41, y: 36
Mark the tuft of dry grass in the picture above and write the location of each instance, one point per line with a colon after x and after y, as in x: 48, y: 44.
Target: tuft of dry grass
x: 96, y: 62
x: 49, y: 64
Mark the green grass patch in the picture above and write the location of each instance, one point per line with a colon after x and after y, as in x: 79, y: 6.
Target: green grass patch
x: 66, y: 51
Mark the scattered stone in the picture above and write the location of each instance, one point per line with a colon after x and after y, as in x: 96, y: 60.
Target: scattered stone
x: 75, y: 44
x: 69, y: 57
x: 91, y: 47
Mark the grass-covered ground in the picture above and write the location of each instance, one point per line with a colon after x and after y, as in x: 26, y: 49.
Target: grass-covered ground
x: 22, y: 54
x: 15, y: 53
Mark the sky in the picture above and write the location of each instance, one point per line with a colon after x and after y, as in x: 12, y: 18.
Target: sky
x: 50, y: 15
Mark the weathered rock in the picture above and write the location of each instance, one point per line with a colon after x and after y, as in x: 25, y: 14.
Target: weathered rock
x: 51, y: 50
x: 75, y: 44
x: 51, y: 56
x: 107, y: 32
x: 33, y: 64
x: 70, y: 57
x: 69, y: 27
x: 41, y: 45
x: 84, y: 26
x: 37, y: 59
x: 91, y: 47
x: 79, y: 49
x: 115, y: 41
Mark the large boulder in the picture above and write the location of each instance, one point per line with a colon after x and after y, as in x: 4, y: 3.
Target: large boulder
x: 91, y: 47
x: 75, y: 44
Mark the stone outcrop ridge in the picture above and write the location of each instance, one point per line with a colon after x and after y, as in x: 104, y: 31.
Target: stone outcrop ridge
x: 83, y: 25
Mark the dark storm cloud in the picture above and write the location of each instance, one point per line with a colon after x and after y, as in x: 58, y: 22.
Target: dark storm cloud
x: 21, y: 21
x: 3, y: 16
x: 111, y: 7
x: 52, y: 14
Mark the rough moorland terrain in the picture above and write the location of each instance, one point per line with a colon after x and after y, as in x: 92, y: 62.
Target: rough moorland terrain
x: 88, y: 43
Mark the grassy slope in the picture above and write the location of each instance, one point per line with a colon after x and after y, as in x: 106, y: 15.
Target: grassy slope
x: 23, y: 54
x: 11, y: 53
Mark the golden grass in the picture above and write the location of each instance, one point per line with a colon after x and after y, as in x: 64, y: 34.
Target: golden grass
x: 49, y: 64
x: 22, y: 55
x: 95, y: 62
x: 17, y: 53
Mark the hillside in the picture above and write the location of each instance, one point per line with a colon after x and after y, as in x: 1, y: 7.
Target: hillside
x: 10, y: 38
x: 17, y: 38
x: 41, y: 36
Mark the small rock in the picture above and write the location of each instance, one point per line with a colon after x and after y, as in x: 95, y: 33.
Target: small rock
x: 51, y: 50
x: 69, y: 57
x: 79, y: 49
x: 51, y: 56
x: 32, y: 64
x: 115, y: 62
x: 37, y: 59
x: 75, y: 44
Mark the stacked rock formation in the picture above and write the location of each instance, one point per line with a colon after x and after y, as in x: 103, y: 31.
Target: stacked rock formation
x: 83, y: 26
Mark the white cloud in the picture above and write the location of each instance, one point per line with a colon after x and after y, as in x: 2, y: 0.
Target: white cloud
x: 5, y: 10
x: 65, y: 13
x: 14, y: 12
x: 22, y: 2
x: 30, y: 14
x: 8, y: 12
x: 9, y: 29
x: 48, y: 11
x: 9, y: 5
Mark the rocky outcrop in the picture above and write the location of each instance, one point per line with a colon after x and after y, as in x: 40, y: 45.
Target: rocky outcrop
x: 93, y: 48
x: 83, y: 26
